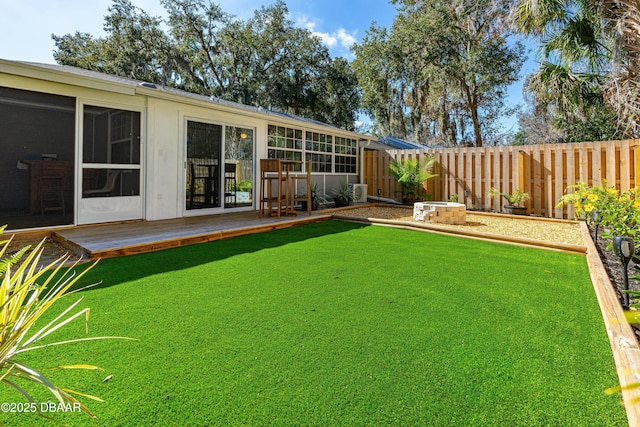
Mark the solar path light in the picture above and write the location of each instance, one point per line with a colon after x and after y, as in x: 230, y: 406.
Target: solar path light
x: 595, y: 219
x: 624, y: 248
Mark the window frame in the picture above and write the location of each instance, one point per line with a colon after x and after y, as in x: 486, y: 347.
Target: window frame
x: 338, y: 153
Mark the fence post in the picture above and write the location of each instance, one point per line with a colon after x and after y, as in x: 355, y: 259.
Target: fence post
x: 521, y: 172
x: 558, y: 178
x: 624, y: 165
x: 636, y: 163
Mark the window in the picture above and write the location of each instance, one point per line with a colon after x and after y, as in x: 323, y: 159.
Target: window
x: 346, y: 150
x: 318, y: 148
x: 327, y: 153
x: 284, y: 143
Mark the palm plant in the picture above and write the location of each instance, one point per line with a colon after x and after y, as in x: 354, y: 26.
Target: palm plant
x: 514, y: 199
x: 575, y: 57
x: 623, y: 86
x: 412, y: 173
x: 26, y: 293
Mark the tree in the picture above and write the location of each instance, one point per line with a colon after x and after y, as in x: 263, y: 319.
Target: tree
x: 264, y: 61
x: 622, y: 89
x: 441, y: 73
x: 576, y: 52
x: 135, y: 46
x: 338, y: 95
x: 378, y: 65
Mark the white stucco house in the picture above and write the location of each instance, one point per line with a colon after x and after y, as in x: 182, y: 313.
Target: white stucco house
x: 79, y: 147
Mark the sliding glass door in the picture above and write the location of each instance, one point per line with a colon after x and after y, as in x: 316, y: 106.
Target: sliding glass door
x: 238, y: 161
x: 203, y: 172
x: 213, y: 180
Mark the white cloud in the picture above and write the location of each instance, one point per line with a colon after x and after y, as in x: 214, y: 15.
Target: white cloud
x: 326, y: 38
x: 340, y: 38
x: 346, y: 40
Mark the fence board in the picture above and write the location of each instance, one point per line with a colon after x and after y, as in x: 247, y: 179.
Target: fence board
x: 571, y: 176
x: 507, y: 184
x: 611, y: 164
x: 537, y: 182
x: 477, y: 191
x: 596, y: 164
x: 625, y: 166
x: 558, y: 177
x: 636, y: 162
x: 548, y: 180
x: 497, y: 178
x: 544, y: 172
x: 488, y: 158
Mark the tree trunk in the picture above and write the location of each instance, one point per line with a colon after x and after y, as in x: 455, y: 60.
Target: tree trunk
x: 476, y: 126
x: 472, y: 106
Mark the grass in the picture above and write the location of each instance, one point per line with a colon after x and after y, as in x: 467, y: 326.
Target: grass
x: 342, y: 324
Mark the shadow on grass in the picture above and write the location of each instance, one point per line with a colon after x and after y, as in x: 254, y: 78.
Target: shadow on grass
x: 113, y: 271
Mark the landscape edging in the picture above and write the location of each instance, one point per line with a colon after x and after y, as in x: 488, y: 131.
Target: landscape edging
x: 624, y: 344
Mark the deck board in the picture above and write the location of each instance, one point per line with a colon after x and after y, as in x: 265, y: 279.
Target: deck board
x: 128, y: 238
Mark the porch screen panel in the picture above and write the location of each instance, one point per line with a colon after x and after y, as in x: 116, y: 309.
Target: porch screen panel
x: 37, y: 152
x: 110, y: 152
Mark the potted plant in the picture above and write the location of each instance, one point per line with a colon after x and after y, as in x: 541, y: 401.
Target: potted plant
x: 316, y: 199
x: 514, y: 201
x: 342, y: 195
x: 411, y: 175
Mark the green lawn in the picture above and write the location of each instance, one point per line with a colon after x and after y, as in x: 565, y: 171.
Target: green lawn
x: 338, y: 324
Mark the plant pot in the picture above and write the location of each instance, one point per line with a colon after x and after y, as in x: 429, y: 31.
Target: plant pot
x: 341, y: 202
x: 515, y: 210
x: 303, y: 205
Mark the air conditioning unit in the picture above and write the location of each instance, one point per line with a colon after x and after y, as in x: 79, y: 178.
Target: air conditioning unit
x: 359, y: 193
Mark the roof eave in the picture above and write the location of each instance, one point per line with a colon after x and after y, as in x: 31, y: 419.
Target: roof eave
x: 60, y: 76
x: 264, y: 114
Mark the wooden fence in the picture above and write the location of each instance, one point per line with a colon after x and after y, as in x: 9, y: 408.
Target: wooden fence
x: 543, y: 171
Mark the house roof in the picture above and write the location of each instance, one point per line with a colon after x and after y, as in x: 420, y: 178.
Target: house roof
x: 391, y: 143
x: 401, y: 144
x: 78, y: 76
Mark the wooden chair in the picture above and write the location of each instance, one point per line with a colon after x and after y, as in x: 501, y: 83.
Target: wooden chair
x: 306, y: 196
x: 203, y: 185
x: 51, y: 186
x: 271, y: 176
x: 230, y: 184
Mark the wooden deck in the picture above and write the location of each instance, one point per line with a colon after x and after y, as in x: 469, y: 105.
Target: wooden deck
x: 129, y: 238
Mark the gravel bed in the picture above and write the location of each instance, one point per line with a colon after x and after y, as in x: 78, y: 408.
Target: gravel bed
x: 548, y: 231
x: 52, y: 249
x: 613, y: 265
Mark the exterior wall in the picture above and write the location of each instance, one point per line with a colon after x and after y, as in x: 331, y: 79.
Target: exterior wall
x: 163, y: 149
x: 163, y: 137
x: 119, y: 98
x: 166, y: 153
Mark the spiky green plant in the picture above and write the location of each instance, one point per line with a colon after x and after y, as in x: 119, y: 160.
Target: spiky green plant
x: 412, y: 173
x: 27, y: 291
x: 514, y: 199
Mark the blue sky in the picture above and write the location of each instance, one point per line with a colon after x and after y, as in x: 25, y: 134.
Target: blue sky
x: 26, y: 25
